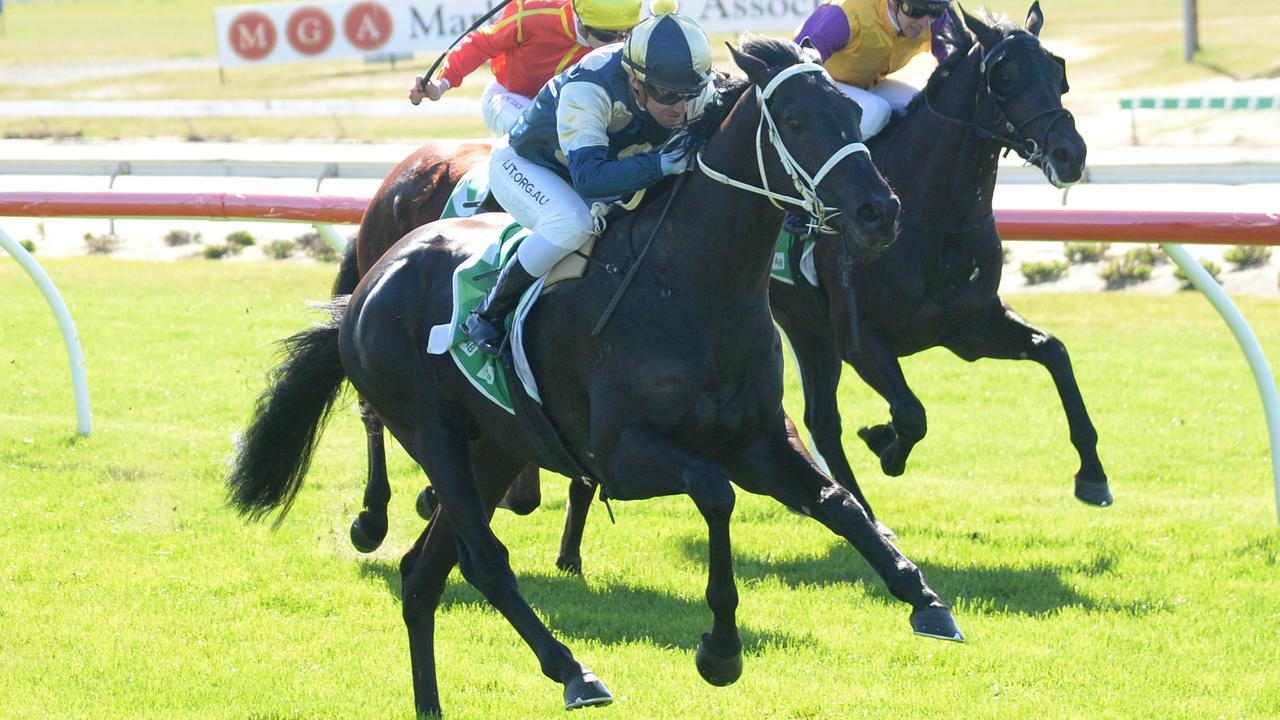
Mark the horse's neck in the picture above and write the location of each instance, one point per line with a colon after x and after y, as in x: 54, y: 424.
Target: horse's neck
x: 722, y: 238
x: 950, y: 159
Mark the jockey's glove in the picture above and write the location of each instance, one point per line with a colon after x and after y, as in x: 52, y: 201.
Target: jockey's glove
x: 674, y: 154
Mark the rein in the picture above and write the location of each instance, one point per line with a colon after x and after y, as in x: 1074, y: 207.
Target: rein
x: 1034, y: 150
x: 805, y: 185
x: 631, y: 274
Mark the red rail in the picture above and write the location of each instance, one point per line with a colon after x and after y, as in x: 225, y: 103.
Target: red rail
x: 1205, y: 228
x: 217, y: 206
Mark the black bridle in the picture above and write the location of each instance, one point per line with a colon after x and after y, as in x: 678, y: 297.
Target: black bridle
x: 1008, y: 134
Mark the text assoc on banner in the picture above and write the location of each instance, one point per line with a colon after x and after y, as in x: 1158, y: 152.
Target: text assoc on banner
x: 732, y: 15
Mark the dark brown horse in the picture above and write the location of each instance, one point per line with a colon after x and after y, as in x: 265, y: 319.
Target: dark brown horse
x: 937, y: 286
x: 680, y: 394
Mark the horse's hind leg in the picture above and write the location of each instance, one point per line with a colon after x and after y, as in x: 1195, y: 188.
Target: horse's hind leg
x: 370, y: 527
x: 575, y: 521
x: 423, y: 572
x: 1007, y: 335
x: 441, y: 449
x: 777, y: 465
x: 647, y: 465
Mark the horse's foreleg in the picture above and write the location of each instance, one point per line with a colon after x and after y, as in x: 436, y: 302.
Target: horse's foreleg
x: 648, y: 465
x: 370, y: 526
x: 777, y: 465
x: 819, y: 364
x: 466, y: 501
x: 1007, y: 335
x: 575, y: 521
x: 892, y: 442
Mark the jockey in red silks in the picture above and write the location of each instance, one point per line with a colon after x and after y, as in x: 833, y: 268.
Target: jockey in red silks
x: 531, y: 42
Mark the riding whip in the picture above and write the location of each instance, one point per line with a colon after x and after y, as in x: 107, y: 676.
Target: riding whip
x: 422, y: 83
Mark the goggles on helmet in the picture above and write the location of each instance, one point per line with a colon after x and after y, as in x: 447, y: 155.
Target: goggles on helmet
x: 604, y: 36
x: 915, y: 12
x: 668, y: 96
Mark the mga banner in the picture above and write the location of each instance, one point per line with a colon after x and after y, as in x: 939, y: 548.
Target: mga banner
x: 292, y: 32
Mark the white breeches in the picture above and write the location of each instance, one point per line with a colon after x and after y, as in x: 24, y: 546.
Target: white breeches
x: 542, y: 201
x: 501, y: 108
x: 879, y: 102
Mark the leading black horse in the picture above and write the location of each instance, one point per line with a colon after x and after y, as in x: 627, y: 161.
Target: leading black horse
x: 679, y: 394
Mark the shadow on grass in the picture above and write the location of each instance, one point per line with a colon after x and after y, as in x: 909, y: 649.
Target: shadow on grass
x: 1034, y: 590
x: 615, y: 614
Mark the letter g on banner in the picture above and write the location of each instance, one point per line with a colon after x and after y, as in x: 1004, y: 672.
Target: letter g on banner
x: 310, y: 31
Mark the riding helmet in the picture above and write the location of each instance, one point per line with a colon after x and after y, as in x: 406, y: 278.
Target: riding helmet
x: 668, y: 50
x: 608, y: 14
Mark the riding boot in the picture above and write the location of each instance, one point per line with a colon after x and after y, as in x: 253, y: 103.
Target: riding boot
x: 485, y: 324
x: 799, y: 223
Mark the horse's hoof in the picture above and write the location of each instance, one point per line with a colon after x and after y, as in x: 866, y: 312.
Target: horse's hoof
x: 573, y: 566
x: 366, y: 533
x: 719, y: 670
x: 520, y: 504
x: 885, y: 530
x: 878, y: 437
x: 936, y: 622
x: 1094, y: 493
x: 426, y: 503
x: 584, y: 691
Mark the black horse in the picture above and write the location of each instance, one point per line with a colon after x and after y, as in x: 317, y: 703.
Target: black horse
x: 937, y: 285
x: 679, y: 394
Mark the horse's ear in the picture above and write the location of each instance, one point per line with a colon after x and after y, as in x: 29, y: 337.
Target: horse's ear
x: 1035, y: 19
x: 957, y: 38
x: 754, y: 67
x: 809, y: 52
x: 986, y: 34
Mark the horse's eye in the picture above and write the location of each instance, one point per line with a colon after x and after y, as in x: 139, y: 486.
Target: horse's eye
x: 794, y: 124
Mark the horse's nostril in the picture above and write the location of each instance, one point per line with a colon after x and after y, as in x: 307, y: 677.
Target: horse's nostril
x: 868, y: 215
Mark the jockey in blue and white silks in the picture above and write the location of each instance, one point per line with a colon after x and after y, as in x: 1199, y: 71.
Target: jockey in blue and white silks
x: 594, y: 133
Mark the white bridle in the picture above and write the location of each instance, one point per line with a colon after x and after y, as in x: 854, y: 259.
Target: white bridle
x: 805, y: 185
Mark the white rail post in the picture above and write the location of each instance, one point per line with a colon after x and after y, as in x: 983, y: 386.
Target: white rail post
x: 333, y: 237
x: 1248, y: 342
x: 79, y: 381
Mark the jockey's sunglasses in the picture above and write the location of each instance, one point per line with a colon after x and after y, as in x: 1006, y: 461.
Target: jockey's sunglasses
x: 667, y: 96
x: 933, y: 10
x: 605, y: 36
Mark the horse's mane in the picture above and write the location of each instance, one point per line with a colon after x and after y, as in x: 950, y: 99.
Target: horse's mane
x: 774, y: 52
x: 960, y: 43
x: 729, y: 89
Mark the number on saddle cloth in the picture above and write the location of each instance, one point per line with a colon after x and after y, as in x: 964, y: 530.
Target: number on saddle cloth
x: 787, y: 255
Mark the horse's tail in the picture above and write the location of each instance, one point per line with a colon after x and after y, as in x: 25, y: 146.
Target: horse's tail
x: 348, y: 273
x: 273, y: 455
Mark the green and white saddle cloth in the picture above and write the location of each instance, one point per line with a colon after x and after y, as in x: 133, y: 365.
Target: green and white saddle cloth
x: 468, y: 194
x: 783, y: 267
x: 486, y: 372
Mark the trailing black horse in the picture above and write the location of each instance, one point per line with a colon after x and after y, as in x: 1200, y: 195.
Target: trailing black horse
x: 998, y: 90
x: 680, y: 394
